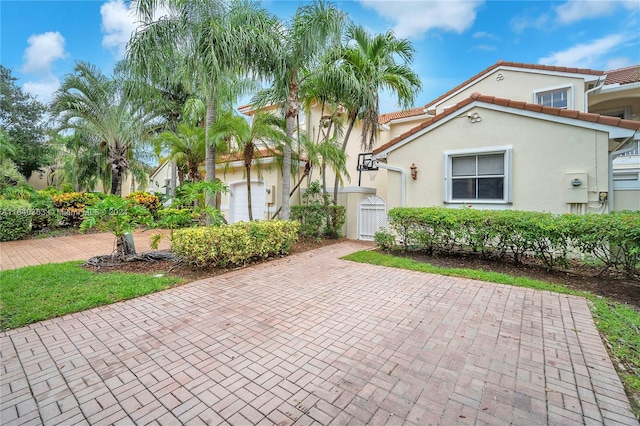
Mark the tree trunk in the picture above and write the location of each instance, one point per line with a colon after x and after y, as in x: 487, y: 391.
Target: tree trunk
x: 352, y: 121
x: 210, y: 155
x: 123, y: 247
x: 249, y: 193
x: 307, y: 170
x: 291, y: 115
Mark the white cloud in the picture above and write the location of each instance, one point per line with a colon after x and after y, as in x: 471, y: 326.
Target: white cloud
x: 118, y: 23
x: 584, y: 55
x: 42, y: 89
x: 615, y: 63
x: 520, y: 24
x: 484, y: 34
x: 43, y: 50
x: 573, y: 10
x: 577, y: 10
x: 414, y: 18
x: 485, y: 47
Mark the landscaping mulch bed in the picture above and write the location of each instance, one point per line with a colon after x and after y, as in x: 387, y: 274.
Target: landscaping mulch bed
x: 614, y: 286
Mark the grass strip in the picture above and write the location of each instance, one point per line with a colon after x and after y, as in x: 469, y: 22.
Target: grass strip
x: 617, y: 322
x: 36, y: 293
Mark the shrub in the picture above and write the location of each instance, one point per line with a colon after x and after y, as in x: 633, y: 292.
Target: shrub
x: 237, y: 244
x: 45, y: 214
x: 71, y: 206
x: 613, y: 238
x: 385, y: 240
x: 149, y: 201
x: 15, y: 219
x: 316, y: 216
x: 176, y: 218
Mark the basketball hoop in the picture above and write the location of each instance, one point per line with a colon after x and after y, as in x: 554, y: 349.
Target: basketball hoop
x: 372, y: 174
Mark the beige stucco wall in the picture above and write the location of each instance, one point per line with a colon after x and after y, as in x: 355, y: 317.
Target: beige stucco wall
x: 543, y: 152
x: 610, y: 102
x: 519, y: 85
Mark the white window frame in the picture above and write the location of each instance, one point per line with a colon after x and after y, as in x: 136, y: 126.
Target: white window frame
x: 566, y: 87
x: 447, y: 189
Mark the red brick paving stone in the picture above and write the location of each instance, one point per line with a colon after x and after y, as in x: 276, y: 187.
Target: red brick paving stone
x: 350, y: 343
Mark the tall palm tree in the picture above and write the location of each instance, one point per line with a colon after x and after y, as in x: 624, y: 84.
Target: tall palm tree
x: 93, y: 104
x: 362, y: 67
x: 212, y: 40
x: 250, y: 140
x: 314, y: 29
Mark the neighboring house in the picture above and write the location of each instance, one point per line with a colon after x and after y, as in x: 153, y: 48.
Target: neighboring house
x: 514, y: 136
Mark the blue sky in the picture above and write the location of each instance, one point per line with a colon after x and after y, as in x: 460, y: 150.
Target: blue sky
x: 40, y: 41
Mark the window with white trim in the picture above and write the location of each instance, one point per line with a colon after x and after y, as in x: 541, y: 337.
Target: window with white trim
x: 478, y: 175
x: 557, y: 97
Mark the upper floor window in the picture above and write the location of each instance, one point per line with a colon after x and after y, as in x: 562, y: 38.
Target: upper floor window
x: 557, y: 97
x: 554, y: 98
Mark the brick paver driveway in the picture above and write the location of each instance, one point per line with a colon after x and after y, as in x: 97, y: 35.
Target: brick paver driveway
x: 311, y: 339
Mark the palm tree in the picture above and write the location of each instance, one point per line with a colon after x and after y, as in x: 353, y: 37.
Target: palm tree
x: 186, y: 147
x: 93, y: 104
x: 212, y: 40
x: 265, y: 131
x: 313, y: 30
x: 360, y: 69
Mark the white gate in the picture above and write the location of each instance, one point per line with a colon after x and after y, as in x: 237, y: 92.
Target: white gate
x: 372, y: 217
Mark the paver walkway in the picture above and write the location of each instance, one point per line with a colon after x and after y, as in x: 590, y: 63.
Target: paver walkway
x: 313, y: 340
x: 16, y: 254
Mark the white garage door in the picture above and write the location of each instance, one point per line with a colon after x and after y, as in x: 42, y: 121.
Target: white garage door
x: 238, y: 210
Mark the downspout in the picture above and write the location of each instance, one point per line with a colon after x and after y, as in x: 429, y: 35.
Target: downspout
x: 403, y: 184
x: 612, y: 156
x: 588, y: 92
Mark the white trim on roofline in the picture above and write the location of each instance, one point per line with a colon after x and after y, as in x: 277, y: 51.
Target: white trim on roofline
x: 617, y: 87
x: 586, y: 77
x: 614, y: 132
x: 412, y: 118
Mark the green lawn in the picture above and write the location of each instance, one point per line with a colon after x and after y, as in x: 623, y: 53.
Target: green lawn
x: 36, y: 293
x: 616, y: 322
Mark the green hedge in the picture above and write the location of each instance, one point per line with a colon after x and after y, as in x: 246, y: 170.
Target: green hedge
x: 613, y: 238
x: 233, y: 245
x: 15, y: 219
x: 317, y: 220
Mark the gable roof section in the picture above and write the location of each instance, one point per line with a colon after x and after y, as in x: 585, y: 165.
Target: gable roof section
x: 397, y: 115
x: 588, y: 119
x: 504, y: 64
x: 623, y: 75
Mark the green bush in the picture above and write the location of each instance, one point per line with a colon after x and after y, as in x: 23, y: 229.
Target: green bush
x: 149, y: 201
x: 15, y: 219
x: 317, y: 217
x: 237, y: 244
x: 176, y: 218
x: 613, y: 238
x: 71, y: 206
x: 45, y: 215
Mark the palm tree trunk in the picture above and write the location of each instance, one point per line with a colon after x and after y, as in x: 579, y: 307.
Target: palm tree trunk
x: 291, y: 115
x: 249, y: 192
x: 210, y: 155
x: 352, y: 121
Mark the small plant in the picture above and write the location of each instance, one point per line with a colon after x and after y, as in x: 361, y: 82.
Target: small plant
x: 118, y: 216
x: 385, y: 240
x: 317, y: 216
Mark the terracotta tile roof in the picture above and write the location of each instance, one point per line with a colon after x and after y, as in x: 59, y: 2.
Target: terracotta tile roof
x: 237, y: 156
x: 385, y: 118
x: 623, y: 75
x: 590, y: 117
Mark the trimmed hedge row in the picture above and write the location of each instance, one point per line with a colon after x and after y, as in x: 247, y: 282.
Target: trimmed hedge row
x: 612, y: 238
x: 15, y: 219
x: 237, y: 244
